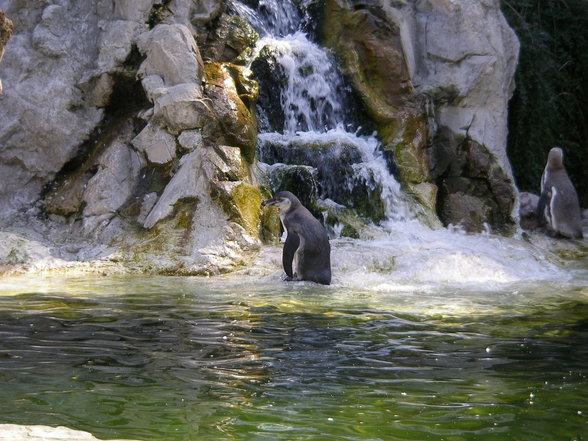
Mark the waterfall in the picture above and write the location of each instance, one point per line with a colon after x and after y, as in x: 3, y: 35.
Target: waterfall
x: 309, y: 135
x: 315, y: 126
x: 310, y: 98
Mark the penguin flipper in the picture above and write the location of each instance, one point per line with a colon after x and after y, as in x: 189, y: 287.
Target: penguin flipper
x: 290, y: 247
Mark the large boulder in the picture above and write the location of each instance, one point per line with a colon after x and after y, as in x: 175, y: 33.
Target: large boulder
x: 171, y: 53
x: 51, y: 50
x: 123, y: 141
x: 474, y: 190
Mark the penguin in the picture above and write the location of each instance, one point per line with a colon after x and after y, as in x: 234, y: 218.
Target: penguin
x: 558, y: 206
x: 307, y: 252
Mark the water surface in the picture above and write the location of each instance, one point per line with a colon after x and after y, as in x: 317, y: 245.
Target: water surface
x: 243, y: 358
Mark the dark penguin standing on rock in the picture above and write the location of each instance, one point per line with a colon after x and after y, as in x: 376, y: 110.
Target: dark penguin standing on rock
x: 558, y: 205
x: 307, y: 252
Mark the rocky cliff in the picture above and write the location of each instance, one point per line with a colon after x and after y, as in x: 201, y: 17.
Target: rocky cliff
x: 128, y: 128
x: 436, y: 76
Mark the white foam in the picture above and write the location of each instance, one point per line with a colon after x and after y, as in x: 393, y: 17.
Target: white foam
x: 412, y: 255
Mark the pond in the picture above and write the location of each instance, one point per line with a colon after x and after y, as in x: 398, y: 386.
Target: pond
x: 242, y: 357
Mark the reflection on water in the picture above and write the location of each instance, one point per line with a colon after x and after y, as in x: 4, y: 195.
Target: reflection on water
x: 236, y: 359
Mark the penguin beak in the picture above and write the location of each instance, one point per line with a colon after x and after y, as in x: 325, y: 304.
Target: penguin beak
x: 268, y: 202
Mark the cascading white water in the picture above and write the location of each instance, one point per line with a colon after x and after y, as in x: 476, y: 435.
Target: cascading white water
x: 271, y: 17
x: 404, y: 255
x: 313, y: 100
x: 310, y: 97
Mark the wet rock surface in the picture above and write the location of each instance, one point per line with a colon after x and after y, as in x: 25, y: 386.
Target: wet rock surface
x: 133, y: 126
x: 414, y: 83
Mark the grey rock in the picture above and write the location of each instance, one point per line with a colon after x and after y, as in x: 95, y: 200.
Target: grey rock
x: 12, y: 432
x: 181, y: 107
x: 116, y: 43
x: 133, y: 10
x: 528, y: 210
x: 113, y: 184
x: 186, y: 183
x: 190, y: 139
x: 171, y: 53
x: 50, y: 52
x: 157, y: 144
x: 470, y: 49
x: 6, y: 29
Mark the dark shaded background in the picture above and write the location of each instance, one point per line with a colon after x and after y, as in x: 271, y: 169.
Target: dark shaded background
x: 550, y: 104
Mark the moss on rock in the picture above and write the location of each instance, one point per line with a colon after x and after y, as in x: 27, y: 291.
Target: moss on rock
x: 370, y: 49
x: 247, y: 199
x: 233, y: 97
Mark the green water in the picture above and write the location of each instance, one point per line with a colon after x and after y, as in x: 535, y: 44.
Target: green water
x: 221, y: 359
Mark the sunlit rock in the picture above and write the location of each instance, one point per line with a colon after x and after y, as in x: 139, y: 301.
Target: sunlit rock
x: 190, y: 139
x: 232, y: 38
x: 116, y: 42
x: 133, y: 10
x: 171, y: 53
x: 234, y: 111
x: 20, y: 255
x: 110, y: 132
x: 185, y: 184
x: 426, y: 193
x: 242, y: 202
x: 158, y: 146
x: 51, y: 49
x: 182, y: 107
x: 114, y: 182
x: 104, y: 179
x: 13, y: 432
x: 206, y: 220
x: 226, y: 163
x: 130, y: 148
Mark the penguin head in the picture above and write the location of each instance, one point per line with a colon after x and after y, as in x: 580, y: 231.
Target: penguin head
x: 284, y: 200
x: 555, y: 158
